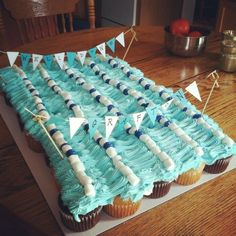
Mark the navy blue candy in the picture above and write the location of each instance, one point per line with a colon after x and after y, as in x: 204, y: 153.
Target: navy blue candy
x: 147, y: 86
x: 140, y: 80
x: 185, y: 109
x: 107, y: 145
x: 71, y: 76
x: 169, y: 98
x: 158, y: 118
x: 42, y: 110
x: 125, y: 91
x: 119, y: 113
x: 98, y: 98
x: 160, y: 94
x: 107, y: 81
x: 97, y: 72
x: 128, y: 74
x: 92, y: 90
x: 92, y: 65
x: 109, y: 61
x: 53, y: 131
x: 98, y: 140
x: 32, y: 90
x: 127, y: 130
x: 71, y: 152
x: 118, y: 85
x: 138, y: 133
x: 103, y: 74
x: 63, y: 145
x: 72, y: 105
x: 196, y: 116
x: 86, y: 127
x: 139, y: 98
x: 115, y: 65
x: 167, y: 123
x: 109, y: 107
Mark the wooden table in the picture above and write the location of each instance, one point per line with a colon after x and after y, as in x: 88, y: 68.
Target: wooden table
x: 206, y: 210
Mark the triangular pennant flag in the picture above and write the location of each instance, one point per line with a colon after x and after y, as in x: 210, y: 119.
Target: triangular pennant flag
x: 152, y: 113
x: 60, y: 59
x: 92, y: 52
x: 25, y: 57
x: 102, y: 49
x: 48, y: 60
x: 111, y: 44
x: 36, y: 58
x: 75, y: 123
x: 121, y: 39
x: 110, y: 123
x: 82, y: 55
x: 70, y: 58
x: 193, y: 89
x: 12, y: 57
x: 93, y: 125
x: 166, y: 105
x: 138, y: 118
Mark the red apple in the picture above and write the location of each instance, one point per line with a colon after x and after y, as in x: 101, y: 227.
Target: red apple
x: 195, y: 34
x: 180, y: 27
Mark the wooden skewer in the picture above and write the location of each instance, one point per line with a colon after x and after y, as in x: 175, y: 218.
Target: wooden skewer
x: 38, y: 118
x: 131, y: 41
x: 208, y: 98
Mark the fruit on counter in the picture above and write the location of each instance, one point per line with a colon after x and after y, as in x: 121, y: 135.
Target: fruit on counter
x: 180, y: 27
x: 195, y: 34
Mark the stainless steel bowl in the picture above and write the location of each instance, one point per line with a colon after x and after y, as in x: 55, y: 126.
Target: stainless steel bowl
x: 229, y: 35
x: 186, y: 46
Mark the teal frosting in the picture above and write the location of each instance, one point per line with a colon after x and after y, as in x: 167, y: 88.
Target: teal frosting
x: 108, y: 181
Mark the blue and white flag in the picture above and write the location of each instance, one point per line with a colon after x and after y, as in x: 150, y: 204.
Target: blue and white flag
x: 25, y: 58
x: 111, y: 44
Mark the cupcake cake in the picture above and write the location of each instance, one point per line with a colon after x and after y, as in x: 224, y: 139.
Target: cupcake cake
x: 219, y: 166
x: 160, y: 189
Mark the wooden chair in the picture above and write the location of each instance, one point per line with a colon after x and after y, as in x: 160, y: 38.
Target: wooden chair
x: 43, y: 18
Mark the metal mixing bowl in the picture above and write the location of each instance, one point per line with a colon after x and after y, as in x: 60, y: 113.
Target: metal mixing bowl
x: 186, y: 46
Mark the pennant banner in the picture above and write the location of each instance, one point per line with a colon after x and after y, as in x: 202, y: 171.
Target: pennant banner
x: 110, y: 123
x: 48, y: 60
x: 25, y: 58
x: 193, y: 89
x: 152, y: 113
x: 75, y: 123
x: 92, y: 52
x: 70, y: 58
x: 60, y: 59
x: 166, y: 105
x: 102, y: 49
x: 121, y: 123
x: 121, y: 39
x: 111, y: 44
x: 82, y: 55
x: 179, y: 94
x: 36, y: 58
x: 12, y: 57
x: 93, y: 125
x: 138, y: 118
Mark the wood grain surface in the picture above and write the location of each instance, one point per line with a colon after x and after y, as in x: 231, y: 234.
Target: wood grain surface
x: 209, y: 209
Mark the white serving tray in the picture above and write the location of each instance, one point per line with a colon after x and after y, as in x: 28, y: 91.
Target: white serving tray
x: 46, y: 182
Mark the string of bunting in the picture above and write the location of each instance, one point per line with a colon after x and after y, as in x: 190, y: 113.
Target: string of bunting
x: 60, y: 57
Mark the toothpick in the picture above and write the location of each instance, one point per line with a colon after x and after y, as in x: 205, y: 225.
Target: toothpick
x: 38, y: 118
x: 215, y: 75
x: 212, y: 88
x: 131, y: 41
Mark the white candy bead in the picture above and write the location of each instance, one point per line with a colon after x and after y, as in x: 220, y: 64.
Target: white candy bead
x: 73, y: 159
x: 165, y: 95
x: 78, y: 166
x: 132, y: 130
x: 102, y: 141
x: 173, y: 126
x: 118, y: 164
x: 57, y: 135
x: 66, y: 147
x: 117, y: 158
x: 186, y: 138
x: 179, y: 131
x: 40, y: 106
x: 51, y: 83
x: 144, y: 137
x: 206, y: 125
x: 35, y: 92
x: 95, y: 94
x: 97, y: 135
x: 125, y: 170
x: 66, y: 96
x: 89, y: 190
x: 218, y: 133
x: 163, y: 156
x: 51, y: 126
x: 77, y: 111
x: 37, y: 100
x: 200, y: 120
x: 70, y: 102
x: 169, y: 164
x: 156, y: 150
x: 127, y: 126
x: 163, y: 120
x: 133, y: 179
x: 60, y: 141
x: 111, y: 152
x: 199, y: 151
x: 125, y: 70
x: 114, y: 110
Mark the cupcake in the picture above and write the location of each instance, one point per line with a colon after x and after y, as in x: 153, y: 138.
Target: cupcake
x: 21, y: 124
x: 160, y: 189
x: 33, y: 144
x: 122, y: 208
x: 7, y: 100
x: 191, y: 176
x: 86, y: 221
x: 219, y: 166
